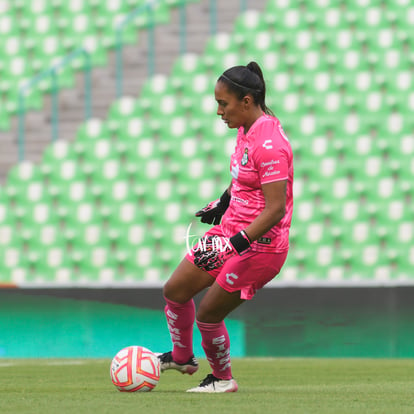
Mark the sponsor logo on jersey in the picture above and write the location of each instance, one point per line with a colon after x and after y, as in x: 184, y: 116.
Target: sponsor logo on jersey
x: 271, y: 162
x: 230, y: 277
x: 270, y: 168
x: 267, y: 144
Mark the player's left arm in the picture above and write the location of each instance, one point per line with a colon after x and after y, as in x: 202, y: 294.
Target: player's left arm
x: 275, y: 203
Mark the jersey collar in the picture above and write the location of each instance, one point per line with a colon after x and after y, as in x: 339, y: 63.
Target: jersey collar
x: 250, y: 132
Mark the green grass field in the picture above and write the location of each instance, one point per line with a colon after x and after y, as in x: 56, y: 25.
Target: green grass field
x: 265, y: 386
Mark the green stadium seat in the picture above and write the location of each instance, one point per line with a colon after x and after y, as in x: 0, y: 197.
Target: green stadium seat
x: 8, y: 24
x: 140, y: 150
x: 11, y: 46
x: 20, y: 174
x: 199, y: 84
x: 250, y: 21
x: 16, y: 72
x: 371, y: 17
x: 43, y: 235
x: 352, y: 60
x: 106, y: 172
x: 306, y: 210
x: 46, y: 260
x: 75, y: 7
x: 134, y: 128
x: 218, y: 46
x: 9, y: 230
x: 175, y: 128
x: 92, y: 129
x: 126, y: 235
x: 41, y: 7
x: 317, y: 233
x: 157, y: 85
x: 9, y: 234
x: 95, y: 262
x: 359, y: 233
x: 139, y: 259
x: 271, y: 60
x: 54, y: 154
x: 368, y: 263
x: 82, y: 214
x: 123, y: 109
x: 49, y: 51
x: 332, y: 18
x: 77, y: 27
x: 97, y: 151
x: 127, y: 213
x: 383, y: 188
x: 304, y: 189
x: 71, y: 195
x: 78, y: 235
x: 39, y: 25
x: 219, y: 64
x: 185, y: 65
x: 68, y: 171
x: 166, y: 106
x: 165, y: 213
x: 394, y: 210
x: 37, y: 214
x: 12, y: 258
x: 344, y: 212
x: 33, y: 191
x: 154, y: 170
x: 341, y: 39
x: 327, y: 263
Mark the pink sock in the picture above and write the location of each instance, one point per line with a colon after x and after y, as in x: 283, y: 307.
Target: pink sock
x: 180, y: 320
x: 216, y: 345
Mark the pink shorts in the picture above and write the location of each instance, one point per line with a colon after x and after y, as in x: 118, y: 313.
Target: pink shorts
x: 246, y: 273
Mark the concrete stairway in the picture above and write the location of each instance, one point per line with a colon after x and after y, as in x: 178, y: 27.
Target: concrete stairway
x: 71, y: 102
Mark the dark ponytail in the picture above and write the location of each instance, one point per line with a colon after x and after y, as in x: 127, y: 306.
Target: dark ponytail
x: 244, y: 80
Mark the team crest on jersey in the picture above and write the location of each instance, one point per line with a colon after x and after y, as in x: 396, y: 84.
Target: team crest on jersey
x: 245, y: 157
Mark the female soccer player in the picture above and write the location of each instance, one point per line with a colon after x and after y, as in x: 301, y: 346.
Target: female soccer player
x: 249, y: 247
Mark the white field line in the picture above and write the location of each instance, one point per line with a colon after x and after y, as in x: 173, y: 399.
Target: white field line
x: 46, y: 361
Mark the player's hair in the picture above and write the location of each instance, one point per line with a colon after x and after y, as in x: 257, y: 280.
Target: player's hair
x: 247, y: 80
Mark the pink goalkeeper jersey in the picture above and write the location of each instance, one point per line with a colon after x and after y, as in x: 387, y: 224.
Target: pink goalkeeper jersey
x: 261, y: 156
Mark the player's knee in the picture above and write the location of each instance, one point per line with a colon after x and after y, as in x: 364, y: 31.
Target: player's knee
x: 207, y: 315
x: 169, y: 291
x: 173, y: 292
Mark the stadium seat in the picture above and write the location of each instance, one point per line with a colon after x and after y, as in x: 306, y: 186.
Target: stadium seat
x: 24, y: 172
x: 92, y: 129
x: 56, y: 152
x: 123, y: 109
x: 250, y: 21
x: 12, y: 260
x: 33, y: 191
x: 46, y: 260
x: 187, y: 64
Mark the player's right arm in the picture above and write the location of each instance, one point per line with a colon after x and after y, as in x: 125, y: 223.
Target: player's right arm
x: 213, y: 211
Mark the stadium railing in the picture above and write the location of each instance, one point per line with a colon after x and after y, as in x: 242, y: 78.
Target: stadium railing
x: 53, y: 73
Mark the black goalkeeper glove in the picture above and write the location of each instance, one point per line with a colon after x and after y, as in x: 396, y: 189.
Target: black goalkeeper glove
x: 214, y: 251
x: 214, y: 210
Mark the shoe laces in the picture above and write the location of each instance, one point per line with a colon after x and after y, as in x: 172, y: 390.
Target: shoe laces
x: 166, y: 357
x: 209, y: 379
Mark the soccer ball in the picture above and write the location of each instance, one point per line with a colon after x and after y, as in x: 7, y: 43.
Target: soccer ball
x: 135, y: 368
